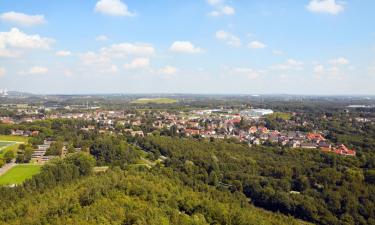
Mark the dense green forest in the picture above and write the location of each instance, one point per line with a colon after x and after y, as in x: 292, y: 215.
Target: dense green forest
x: 314, y: 186
x: 66, y: 192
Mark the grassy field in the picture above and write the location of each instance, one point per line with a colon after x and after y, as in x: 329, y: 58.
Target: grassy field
x: 19, y: 174
x: 4, y: 144
x: 13, y: 138
x: 154, y: 101
x: 281, y: 115
x: 10, y: 143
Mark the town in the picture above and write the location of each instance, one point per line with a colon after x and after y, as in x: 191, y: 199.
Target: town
x: 251, y: 126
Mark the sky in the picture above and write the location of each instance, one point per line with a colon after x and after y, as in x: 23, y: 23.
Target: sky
x: 323, y: 47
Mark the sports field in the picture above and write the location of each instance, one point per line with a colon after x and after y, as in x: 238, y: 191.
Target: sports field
x: 154, y: 101
x: 19, y: 174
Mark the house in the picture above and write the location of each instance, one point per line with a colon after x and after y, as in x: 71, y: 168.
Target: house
x: 343, y: 150
x: 253, y: 130
x: 308, y: 145
x: 324, y: 144
x: 192, y: 132
x: 315, y: 137
x: 294, y: 144
x: 137, y: 133
x: 263, y: 130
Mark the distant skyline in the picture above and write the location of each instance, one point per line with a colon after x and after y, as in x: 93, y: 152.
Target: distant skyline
x: 322, y: 47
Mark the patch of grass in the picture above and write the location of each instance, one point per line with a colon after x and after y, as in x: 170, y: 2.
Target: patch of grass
x: 10, y: 143
x: 154, y: 101
x: 14, y: 138
x: 281, y: 115
x: 4, y: 144
x: 19, y: 174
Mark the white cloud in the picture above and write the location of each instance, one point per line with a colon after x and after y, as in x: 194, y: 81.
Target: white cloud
x: 321, y: 70
x: 124, y: 49
x: 111, y: 69
x: 63, y: 53
x: 223, y: 10
x: 17, y: 39
x: 138, y: 63
x: 220, y: 9
x: 228, y: 38
x: 168, y: 70
x: 38, y: 70
x: 248, y: 72
x: 214, y: 2
x: 290, y: 64
x: 22, y: 19
x: 257, y: 45
x: 103, y: 60
x: 325, y: 6
x: 278, y: 52
x: 184, y: 47
x: 2, y: 71
x: 12, y: 42
x: 339, y: 61
x: 101, y: 38
x: 113, y: 8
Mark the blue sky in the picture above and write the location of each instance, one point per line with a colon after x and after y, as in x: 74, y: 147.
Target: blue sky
x: 197, y: 46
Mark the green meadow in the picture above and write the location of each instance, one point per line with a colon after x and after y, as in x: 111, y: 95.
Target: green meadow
x: 19, y: 174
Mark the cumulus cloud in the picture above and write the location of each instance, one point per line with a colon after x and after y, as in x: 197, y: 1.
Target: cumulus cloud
x: 22, y: 19
x: 104, y: 59
x: 325, y: 6
x: 63, y: 53
x: 257, y: 45
x: 184, y: 47
x: 224, y: 10
x: 12, y: 42
x: 228, y: 38
x: 138, y: 63
x: 290, y: 64
x: 168, y: 70
x: 321, y: 70
x: 220, y: 8
x: 339, y: 61
x: 98, y: 62
x: 124, y: 49
x: 2, y: 71
x: 38, y: 70
x: 113, y: 8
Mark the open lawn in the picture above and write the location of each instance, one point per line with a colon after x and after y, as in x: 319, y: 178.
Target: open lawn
x: 10, y: 143
x: 281, y: 115
x: 154, y: 101
x: 19, y: 174
x: 4, y: 144
x: 13, y: 138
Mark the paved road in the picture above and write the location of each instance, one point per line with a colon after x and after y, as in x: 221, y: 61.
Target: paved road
x: 7, y: 167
